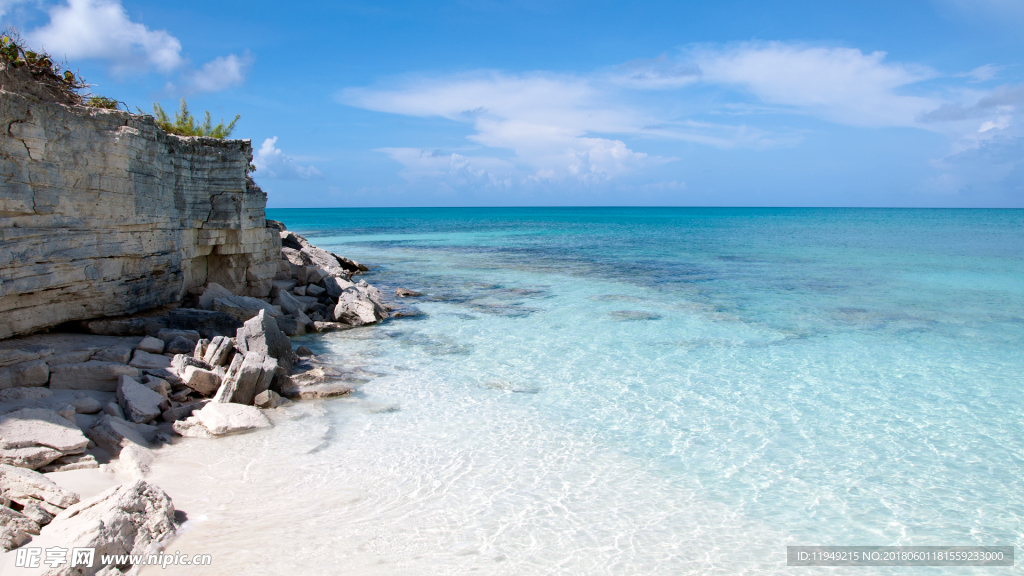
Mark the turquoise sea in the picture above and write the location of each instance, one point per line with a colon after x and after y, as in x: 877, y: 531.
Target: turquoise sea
x: 640, y: 391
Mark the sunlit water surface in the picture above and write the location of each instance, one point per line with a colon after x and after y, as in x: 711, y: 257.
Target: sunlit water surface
x: 639, y: 391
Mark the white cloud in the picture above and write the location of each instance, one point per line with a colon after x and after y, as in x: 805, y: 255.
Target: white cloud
x: 549, y: 122
x: 220, y: 73
x: 102, y: 29
x: 270, y: 162
x: 844, y: 85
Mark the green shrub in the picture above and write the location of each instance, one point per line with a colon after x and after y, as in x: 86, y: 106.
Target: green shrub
x: 186, y: 125
x: 101, y: 102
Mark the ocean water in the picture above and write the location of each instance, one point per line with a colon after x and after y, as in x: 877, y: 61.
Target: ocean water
x: 639, y: 391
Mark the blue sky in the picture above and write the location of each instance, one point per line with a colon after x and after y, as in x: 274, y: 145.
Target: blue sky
x: 486, y: 102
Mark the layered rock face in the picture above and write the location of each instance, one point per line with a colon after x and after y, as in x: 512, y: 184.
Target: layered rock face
x: 103, y: 214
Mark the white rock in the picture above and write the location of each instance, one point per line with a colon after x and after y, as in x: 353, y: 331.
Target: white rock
x: 144, y: 360
x: 15, y: 529
x: 32, y: 457
x: 205, y: 382
x: 131, y: 518
x: 191, y: 427
x: 40, y: 427
x: 222, y: 419
x: 113, y: 409
x: 135, y: 460
x: 269, y: 399
x: 19, y: 484
x: 151, y: 345
x: 87, y: 405
x: 140, y: 404
x: 32, y: 373
x: 91, y: 375
x: 112, y: 434
x: 211, y: 293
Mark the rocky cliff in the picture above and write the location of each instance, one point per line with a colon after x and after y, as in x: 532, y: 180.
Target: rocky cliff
x: 104, y: 214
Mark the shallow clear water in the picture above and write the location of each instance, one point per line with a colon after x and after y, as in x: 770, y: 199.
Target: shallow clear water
x: 640, y: 391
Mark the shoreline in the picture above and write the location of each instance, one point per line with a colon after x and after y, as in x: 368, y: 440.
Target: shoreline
x: 224, y: 385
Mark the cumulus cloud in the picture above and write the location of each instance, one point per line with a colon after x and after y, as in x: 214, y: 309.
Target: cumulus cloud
x: 840, y: 84
x: 220, y: 73
x: 549, y: 122
x: 270, y: 162
x: 102, y: 29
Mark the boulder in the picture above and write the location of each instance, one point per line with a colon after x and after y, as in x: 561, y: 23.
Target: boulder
x: 281, y: 286
x: 151, y: 345
x: 211, y: 293
x: 140, y: 404
x: 270, y: 369
x: 25, y: 374
x: 9, y: 357
x: 200, y: 349
x: 288, y: 303
x: 132, y: 518
x: 21, y: 485
x: 262, y: 335
x: 205, y: 382
x: 169, y: 334
x: 135, y: 460
x: 207, y: 322
x: 181, y: 362
x: 335, y: 286
x: 40, y: 427
x: 304, y: 351
x: 180, y: 345
x: 406, y: 293
x: 143, y: 359
x: 32, y: 457
x: 15, y: 529
x: 113, y: 409
x: 291, y: 326
x: 119, y: 354
x: 86, y: 405
x: 37, y: 513
x: 71, y: 462
x: 243, y: 307
x: 354, y: 310
x: 314, y: 290
x: 91, y: 375
x: 184, y: 411
x: 299, y: 290
x: 329, y: 326
x: 228, y: 418
x: 269, y: 399
x: 191, y: 427
x: 219, y: 351
x: 112, y: 434
x: 240, y: 385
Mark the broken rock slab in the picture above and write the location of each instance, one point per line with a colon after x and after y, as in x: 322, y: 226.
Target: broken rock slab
x: 23, y: 485
x: 262, y: 335
x: 208, y: 323
x: 71, y: 462
x: 131, y: 518
x: 16, y: 529
x: 145, y: 360
x: 25, y: 374
x: 205, y: 382
x: 229, y: 418
x: 184, y: 411
x: 180, y: 345
x: 91, y: 375
x: 112, y: 434
x: 40, y: 427
x: 151, y: 345
x: 32, y: 457
x: 139, y: 403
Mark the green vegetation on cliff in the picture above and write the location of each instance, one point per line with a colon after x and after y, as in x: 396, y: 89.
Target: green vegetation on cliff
x: 186, y: 125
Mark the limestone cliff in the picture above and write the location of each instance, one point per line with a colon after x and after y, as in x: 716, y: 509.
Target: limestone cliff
x: 104, y: 214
